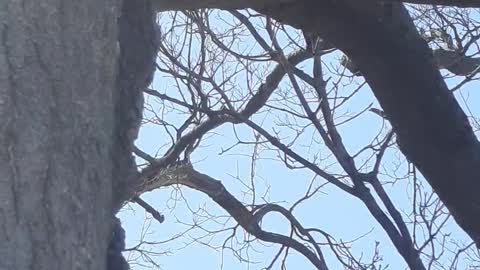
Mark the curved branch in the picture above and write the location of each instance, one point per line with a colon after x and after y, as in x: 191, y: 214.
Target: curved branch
x: 186, y: 175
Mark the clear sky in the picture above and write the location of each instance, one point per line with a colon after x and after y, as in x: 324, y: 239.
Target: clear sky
x: 333, y: 211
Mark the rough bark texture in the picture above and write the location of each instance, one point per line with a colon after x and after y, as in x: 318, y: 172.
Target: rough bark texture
x: 58, y: 68
x: 433, y: 131
x: 69, y: 115
x: 139, y: 38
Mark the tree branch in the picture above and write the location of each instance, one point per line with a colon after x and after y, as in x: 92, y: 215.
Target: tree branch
x: 432, y: 130
x: 254, y: 104
x: 453, y: 3
x: 178, y: 5
x: 186, y: 175
x: 155, y: 214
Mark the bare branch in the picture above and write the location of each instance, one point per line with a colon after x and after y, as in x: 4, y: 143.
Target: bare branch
x: 245, y: 217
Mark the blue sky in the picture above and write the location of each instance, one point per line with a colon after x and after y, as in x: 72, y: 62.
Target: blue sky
x: 333, y: 211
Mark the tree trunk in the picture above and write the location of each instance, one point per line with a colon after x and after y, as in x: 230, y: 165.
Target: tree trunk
x: 58, y: 96
x: 69, y: 115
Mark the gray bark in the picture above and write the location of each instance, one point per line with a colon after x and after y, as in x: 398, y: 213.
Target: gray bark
x: 68, y: 121
x: 58, y: 67
x: 450, y: 60
x: 138, y: 39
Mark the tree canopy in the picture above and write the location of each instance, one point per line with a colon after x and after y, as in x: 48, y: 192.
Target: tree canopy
x: 285, y: 69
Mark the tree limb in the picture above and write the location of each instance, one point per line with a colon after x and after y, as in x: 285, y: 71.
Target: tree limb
x: 253, y: 105
x: 433, y: 131
x: 186, y: 175
x: 177, y: 5
x: 453, y: 3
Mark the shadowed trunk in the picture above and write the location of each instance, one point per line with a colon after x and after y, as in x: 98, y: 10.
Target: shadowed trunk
x: 67, y: 126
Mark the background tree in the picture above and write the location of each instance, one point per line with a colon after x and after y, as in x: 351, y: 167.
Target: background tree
x: 70, y: 100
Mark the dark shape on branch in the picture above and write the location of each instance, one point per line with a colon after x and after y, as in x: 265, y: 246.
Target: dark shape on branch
x: 379, y: 113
